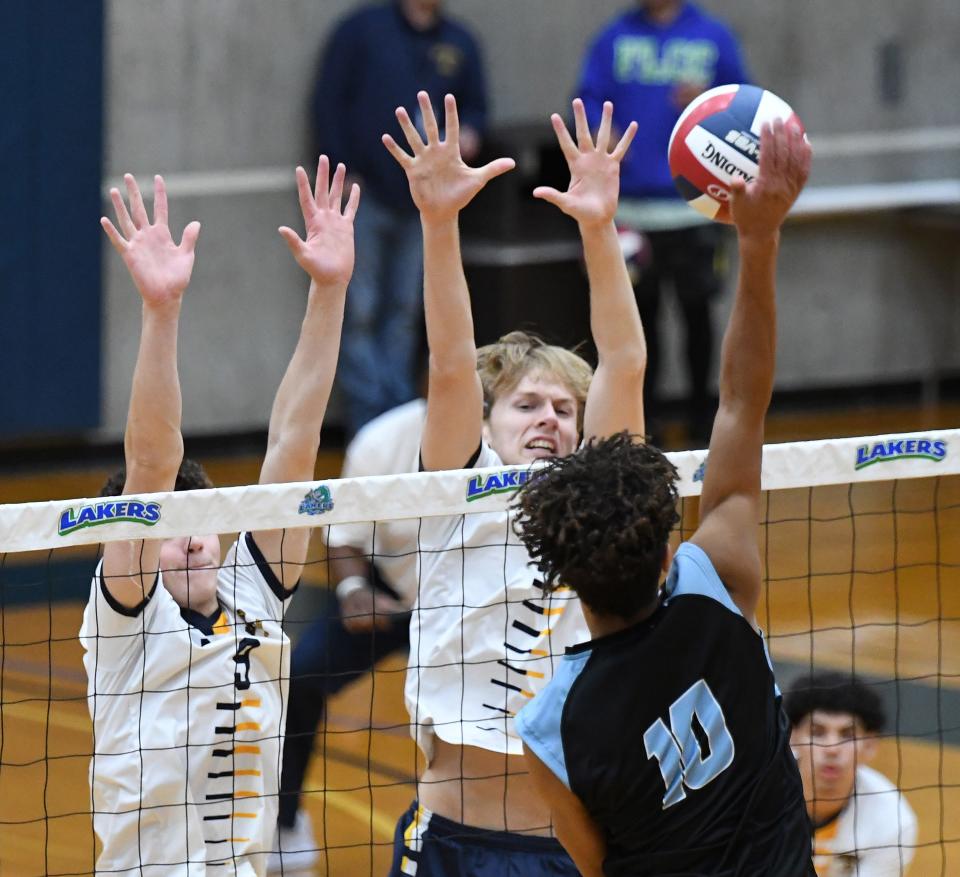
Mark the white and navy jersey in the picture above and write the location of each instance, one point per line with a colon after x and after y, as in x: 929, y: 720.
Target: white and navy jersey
x: 387, y: 445
x: 484, y: 637
x: 873, y: 836
x: 188, y: 717
x: 672, y: 735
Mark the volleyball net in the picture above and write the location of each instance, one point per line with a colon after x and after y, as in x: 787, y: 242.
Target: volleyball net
x: 862, y: 575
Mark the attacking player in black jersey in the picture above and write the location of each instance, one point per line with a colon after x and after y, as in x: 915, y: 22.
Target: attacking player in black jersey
x: 661, y: 745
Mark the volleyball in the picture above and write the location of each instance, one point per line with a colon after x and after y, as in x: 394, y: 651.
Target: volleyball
x: 716, y: 139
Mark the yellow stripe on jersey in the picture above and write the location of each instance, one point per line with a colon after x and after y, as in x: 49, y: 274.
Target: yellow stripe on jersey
x: 822, y: 850
x: 221, y: 625
x: 248, y: 726
x: 540, y: 653
x: 244, y: 793
x: 558, y: 611
x: 246, y: 773
x: 245, y: 815
x: 251, y: 702
x: 534, y: 674
x: 247, y: 750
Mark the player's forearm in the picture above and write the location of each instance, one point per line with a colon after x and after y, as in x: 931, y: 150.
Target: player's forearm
x: 446, y: 301
x: 153, y: 445
x: 748, y: 356
x: 301, y: 400
x: 615, y: 400
x: 614, y: 319
x: 346, y: 562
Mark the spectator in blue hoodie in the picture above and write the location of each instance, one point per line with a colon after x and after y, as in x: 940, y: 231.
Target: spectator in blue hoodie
x: 652, y: 61
x: 376, y: 59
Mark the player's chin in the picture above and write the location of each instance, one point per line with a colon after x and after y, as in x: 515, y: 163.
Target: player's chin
x: 533, y: 455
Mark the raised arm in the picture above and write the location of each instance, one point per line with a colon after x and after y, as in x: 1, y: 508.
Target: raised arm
x: 615, y: 399
x: 441, y: 186
x: 729, y: 506
x: 575, y: 829
x: 301, y: 401
x: 153, y: 445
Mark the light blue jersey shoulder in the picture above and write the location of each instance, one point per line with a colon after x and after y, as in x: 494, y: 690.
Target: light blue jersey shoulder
x: 538, y: 723
x: 692, y: 574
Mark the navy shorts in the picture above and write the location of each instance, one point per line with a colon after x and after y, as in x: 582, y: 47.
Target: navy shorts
x: 427, y: 845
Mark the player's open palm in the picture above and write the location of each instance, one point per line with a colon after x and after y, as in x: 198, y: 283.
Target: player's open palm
x: 159, y: 267
x: 441, y: 184
x: 591, y: 197
x: 761, y: 206
x: 327, y: 253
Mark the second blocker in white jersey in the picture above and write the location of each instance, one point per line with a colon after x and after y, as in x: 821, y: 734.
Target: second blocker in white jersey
x: 484, y: 636
x: 188, y: 725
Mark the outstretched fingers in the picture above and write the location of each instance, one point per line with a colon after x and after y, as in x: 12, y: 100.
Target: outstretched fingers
x: 137, y: 210
x: 620, y: 150
x: 550, y: 195
x: 321, y: 187
x: 567, y: 146
x: 410, y: 131
x: 115, y: 238
x: 801, y: 154
x: 584, y: 140
x: 429, y: 117
x: 402, y: 158
x: 496, y: 168
x: 120, y: 210
x: 307, y: 205
x: 451, y: 120
x: 353, y: 202
x: 770, y: 159
x: 291, y: 239
x: 160, y: 213
x: 335, y: 198
x: 188, y: 242
x: 606, y: 123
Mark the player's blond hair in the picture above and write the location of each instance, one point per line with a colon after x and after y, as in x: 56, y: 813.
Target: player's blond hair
x: 503, y: 364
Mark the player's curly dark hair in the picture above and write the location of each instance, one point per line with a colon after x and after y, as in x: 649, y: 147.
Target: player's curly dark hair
x: 192, y: 476
x: 599, y: 520
x: 834, y: 692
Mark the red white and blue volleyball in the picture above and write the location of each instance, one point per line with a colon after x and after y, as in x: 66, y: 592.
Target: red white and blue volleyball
x: 717, y: 139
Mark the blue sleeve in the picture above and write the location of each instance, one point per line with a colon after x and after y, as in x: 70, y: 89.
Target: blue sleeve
x: 730, y: 66
x: 595, y: 86
x: 538, y: 723
x: 692, y: 574
x: 333, y: 92
x: 472, y: 98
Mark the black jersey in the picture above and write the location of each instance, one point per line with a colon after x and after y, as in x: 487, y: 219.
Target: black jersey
x: 672, y: 735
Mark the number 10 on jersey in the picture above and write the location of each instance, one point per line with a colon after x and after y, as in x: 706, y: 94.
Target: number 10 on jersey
x: 679, y: 749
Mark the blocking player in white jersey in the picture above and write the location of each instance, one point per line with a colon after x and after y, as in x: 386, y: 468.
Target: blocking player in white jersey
x: 483, y: 633
x: 186, y: 656
x: 862, y: 825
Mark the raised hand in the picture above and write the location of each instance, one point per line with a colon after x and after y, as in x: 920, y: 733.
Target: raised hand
x: 327, y: 253
x: 441, y: 184
x: 160, y: 268
x: 761, y: 206
x: 591, y: 197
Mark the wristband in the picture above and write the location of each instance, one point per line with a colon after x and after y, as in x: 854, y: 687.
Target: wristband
x: 350, y: 585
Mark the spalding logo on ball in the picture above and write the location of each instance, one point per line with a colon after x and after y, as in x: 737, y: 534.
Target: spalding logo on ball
x: 717, y: 139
